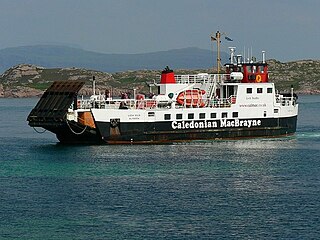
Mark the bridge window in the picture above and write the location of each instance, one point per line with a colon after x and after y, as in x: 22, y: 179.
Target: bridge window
x: 269, y: 90
x: 202, y: 115
x: 235, y: 114
x: 261, y: 69
x: 167, y: 116
x: 224, y: 115
x: 249, y: 90
x: 190, y: 116
x: 259, y: 90
x: 213, y: 115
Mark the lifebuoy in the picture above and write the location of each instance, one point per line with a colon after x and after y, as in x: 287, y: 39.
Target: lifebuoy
x: 258, y: 78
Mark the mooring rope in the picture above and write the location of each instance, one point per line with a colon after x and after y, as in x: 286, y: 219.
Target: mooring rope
x: 74, y: 131
x: 39, y: 131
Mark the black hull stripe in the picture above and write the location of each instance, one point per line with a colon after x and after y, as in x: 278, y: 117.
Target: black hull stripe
x: 162, y: 132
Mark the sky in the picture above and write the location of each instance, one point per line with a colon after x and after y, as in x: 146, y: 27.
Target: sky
x: 286, y: 29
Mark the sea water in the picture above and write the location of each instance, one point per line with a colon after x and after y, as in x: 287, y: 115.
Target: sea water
x: 245, y: 189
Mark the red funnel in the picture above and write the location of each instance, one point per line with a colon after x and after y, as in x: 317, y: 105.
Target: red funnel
x: 167, y: 76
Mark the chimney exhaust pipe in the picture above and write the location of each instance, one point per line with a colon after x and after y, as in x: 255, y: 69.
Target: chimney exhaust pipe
x: 263, y: 56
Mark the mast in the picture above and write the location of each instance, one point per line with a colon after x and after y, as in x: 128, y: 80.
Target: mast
x: 218, y: 35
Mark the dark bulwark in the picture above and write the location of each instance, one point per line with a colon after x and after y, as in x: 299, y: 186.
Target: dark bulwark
x: 50, y: 113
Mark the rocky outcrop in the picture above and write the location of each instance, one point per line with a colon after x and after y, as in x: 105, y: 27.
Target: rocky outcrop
x: 15, y: 74
x: 23, y: 92
x: 15, y: 81
x: 1, y: 91
x: 30, y: 80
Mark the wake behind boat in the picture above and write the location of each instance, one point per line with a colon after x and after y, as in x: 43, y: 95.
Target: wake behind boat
x: 240, y: 103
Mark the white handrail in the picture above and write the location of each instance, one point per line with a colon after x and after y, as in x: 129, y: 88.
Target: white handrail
x: 198, y: 78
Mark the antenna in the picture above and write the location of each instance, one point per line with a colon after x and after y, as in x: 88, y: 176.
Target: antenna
x: 94, y: 85
x: 232, y: 50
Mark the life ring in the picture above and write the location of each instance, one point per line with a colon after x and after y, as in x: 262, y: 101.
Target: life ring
x: 258, y: 78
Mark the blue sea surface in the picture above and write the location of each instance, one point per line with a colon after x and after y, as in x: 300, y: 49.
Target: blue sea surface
x: 266, y: 188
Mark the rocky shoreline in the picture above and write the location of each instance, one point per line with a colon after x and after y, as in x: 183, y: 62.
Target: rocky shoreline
x: 25, y: 80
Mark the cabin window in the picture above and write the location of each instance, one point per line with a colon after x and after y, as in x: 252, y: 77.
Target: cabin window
x: 179, y: 116
x: 249, y: 69
x: 190, y: 115
x: 202, y: 115
x: 235, y: 114
x: 259, y: 90
x: 224, y: 115
x: 265, y: 113
x: 276, y: 110
x: 167, y: 116
x: 261, y: 69
x: 213, y: 115
x: 269, y: 90
x: 150, y: 114
x: 249, y: 90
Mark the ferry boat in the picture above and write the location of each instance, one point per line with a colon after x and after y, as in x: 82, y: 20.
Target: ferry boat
x: 240, y: 103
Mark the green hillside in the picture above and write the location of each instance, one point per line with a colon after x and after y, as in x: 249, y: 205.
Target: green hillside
x: 304, y: 75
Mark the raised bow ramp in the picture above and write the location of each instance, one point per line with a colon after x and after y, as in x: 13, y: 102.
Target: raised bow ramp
x: 52, y: 108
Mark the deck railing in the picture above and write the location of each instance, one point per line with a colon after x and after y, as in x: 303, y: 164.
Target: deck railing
x: 152, y: 103
x: 286, y: 101
x: 201, y: 78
